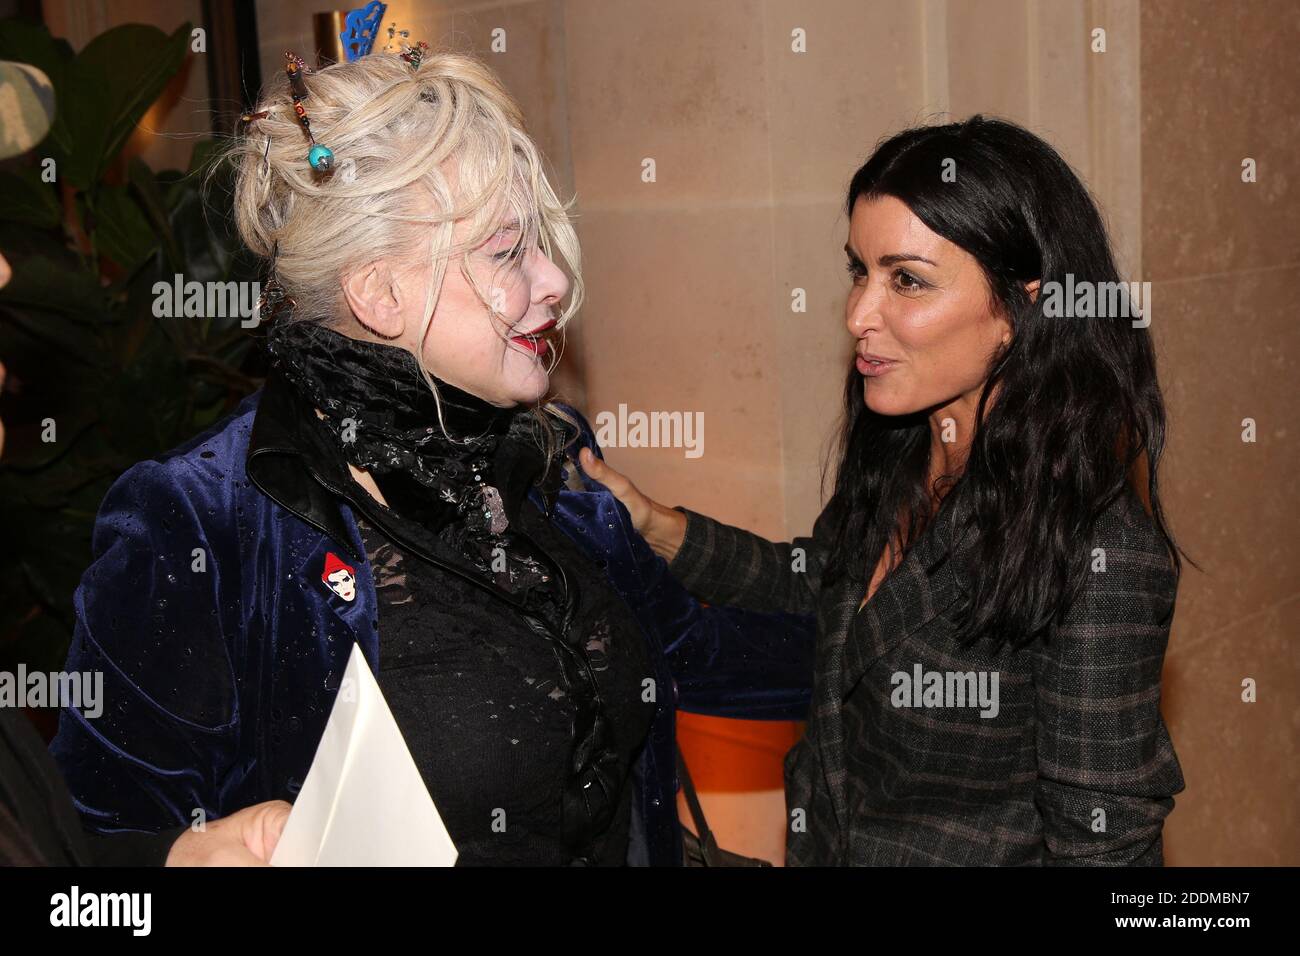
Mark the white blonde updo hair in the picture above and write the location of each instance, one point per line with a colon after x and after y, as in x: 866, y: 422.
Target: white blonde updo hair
x: 390, y: 127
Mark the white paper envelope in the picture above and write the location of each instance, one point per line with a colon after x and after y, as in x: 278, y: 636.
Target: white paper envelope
x: 363, y: 802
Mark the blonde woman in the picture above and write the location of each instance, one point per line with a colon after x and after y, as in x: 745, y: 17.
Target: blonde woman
x: 398, y: 484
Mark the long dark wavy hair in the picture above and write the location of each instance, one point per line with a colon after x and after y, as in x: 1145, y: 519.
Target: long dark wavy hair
x: 1078, y: 415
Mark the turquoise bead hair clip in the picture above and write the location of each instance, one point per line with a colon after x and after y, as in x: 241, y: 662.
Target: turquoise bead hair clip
x: 320, y: 157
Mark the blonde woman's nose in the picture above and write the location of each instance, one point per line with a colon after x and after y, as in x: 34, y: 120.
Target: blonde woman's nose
x: 549, y: 283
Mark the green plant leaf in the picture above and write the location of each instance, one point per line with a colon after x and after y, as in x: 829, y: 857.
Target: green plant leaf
x: 147, y: 191
x: 113, y: 82
x: 122, y: 229
x: 26, y: 200
x: 58, y: 332
x: 44, y: 286
x: 20, y: 241
x: 198, y: 238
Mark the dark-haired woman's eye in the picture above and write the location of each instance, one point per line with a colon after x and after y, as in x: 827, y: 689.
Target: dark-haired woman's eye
x: 906, y: 282
x: 855, y: 269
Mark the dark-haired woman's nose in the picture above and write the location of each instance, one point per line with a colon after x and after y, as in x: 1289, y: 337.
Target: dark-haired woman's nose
x: 863, y: 312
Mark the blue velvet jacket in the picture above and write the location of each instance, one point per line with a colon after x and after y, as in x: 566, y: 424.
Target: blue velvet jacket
x: 222, y: 651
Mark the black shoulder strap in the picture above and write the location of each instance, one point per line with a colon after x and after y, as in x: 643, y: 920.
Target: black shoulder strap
x: 707, y: 842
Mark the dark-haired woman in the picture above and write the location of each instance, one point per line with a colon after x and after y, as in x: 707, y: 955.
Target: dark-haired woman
x: 993, y: 578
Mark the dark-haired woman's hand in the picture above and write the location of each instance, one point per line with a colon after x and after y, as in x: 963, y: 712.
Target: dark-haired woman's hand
x: 663, y: 528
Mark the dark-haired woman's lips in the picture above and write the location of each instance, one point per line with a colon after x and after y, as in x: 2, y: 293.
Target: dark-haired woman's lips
x: 874, y: 367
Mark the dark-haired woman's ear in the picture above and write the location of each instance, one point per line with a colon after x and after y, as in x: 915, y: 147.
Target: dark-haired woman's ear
x: 1032, y: 288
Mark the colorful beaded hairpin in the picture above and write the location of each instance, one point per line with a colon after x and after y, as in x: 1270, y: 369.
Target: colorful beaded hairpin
x: 320, y: 157
x: 413, y: 54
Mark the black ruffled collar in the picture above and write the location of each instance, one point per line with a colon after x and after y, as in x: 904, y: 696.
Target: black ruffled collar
x: 385, y: 420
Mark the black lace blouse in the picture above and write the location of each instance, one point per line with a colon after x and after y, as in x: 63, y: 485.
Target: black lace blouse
x: 496, y: 714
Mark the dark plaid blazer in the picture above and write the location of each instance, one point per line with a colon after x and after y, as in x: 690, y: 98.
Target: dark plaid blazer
x: 1076, y: 765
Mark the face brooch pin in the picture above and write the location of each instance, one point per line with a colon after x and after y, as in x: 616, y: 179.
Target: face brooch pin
x: 339, y: 577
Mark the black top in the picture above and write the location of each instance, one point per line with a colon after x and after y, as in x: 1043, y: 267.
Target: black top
x: 492, y: 708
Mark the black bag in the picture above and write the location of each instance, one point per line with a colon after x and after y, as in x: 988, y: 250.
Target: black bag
x: 703, y: 850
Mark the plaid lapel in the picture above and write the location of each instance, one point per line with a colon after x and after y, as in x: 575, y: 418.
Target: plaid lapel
x: 923, y: 586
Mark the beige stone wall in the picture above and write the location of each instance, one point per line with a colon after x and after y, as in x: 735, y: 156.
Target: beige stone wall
x: 1221, y: 83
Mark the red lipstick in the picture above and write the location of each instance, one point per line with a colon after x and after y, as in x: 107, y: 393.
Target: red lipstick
x: 533, y: 341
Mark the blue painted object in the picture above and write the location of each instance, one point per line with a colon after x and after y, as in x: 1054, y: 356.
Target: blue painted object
x: 361, y: 27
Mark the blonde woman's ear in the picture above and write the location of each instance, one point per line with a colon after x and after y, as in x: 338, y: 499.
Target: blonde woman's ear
x: 375, y: 299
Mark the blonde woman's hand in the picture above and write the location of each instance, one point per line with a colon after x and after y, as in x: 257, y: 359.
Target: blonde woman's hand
x: 244, y: 838
x: 663, y: 528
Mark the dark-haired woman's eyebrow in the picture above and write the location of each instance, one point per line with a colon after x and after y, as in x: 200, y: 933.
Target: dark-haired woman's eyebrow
x: 895, y: 258
x: 892, y: 259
